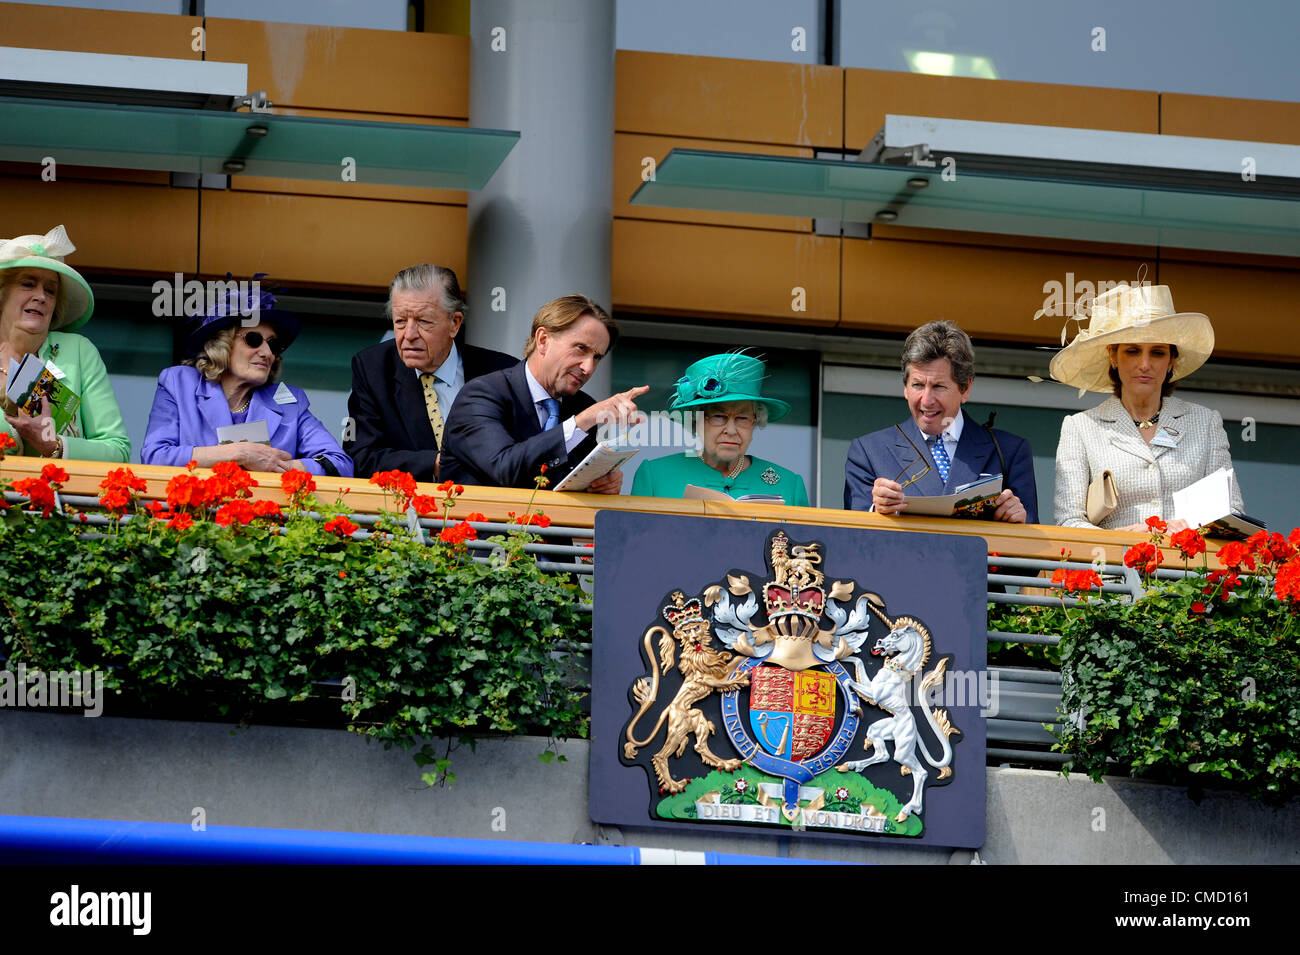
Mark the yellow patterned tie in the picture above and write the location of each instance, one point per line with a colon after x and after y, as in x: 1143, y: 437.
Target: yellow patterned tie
x: 431, y: 405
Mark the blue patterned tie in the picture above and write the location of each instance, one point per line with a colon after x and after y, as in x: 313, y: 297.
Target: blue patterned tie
x: 940, y: 456
x: 552, y: 409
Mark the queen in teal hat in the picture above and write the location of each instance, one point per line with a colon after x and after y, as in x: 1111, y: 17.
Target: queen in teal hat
x: 725, y: 392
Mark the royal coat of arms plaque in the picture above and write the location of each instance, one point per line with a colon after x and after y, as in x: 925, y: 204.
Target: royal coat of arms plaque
x: 789, y: 678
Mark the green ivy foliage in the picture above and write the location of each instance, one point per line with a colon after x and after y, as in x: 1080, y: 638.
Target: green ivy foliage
x: 428, y: 642
x: 1179, y: 696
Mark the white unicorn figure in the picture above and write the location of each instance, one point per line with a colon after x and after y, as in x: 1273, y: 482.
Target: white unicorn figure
x: 907, y: 647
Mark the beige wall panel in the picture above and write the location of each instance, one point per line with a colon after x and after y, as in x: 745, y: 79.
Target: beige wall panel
x: 347, y: 190
x: 668, y: 94
x: 310, y: 240
x: 997, y: 240
x: 81, y: 30
x: 65, y: 172
x: 1253, y: 310
x: 373, y: 71
x: 870, y: 94
x: 116, y: 227
x: 724, y: 273
x: 991, y: 293
x: 1219, y: 117
x: 630, y: 151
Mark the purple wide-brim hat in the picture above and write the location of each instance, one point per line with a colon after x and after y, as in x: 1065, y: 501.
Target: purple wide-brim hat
x: 241, y: 307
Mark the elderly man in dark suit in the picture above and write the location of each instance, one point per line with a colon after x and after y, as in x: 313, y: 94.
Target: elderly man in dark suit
x: 403, y: 390
x: 507, y: 425
x: 938, y: 368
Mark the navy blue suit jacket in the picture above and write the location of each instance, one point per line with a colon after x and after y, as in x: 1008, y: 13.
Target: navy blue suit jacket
x: 886, y: 453
x: 493, y: 437
x: 391, y: 429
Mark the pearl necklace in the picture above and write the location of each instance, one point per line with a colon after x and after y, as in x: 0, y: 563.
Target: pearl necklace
x: 741, y: 463
x: 244, y: 407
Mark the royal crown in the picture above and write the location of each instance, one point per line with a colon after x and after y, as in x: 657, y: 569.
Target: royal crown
x: 682, y: 611
x: 796, y: 587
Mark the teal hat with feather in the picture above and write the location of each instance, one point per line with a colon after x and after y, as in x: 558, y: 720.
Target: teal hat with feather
x: 720, y: 379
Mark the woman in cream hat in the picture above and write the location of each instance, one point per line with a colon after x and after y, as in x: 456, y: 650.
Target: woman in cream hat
x: 726, y: 393
x: 1135, y: 347
x: 42, y: 302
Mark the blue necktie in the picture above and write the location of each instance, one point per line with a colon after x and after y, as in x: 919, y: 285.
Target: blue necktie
x: 941, y: 459
x: 552, y: 409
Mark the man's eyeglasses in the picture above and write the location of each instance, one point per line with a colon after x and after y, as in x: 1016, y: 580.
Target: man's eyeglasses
x: 254, y: 340
x: 920, y: 456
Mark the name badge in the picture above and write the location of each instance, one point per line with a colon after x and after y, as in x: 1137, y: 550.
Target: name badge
x: 1164, y: 439
x: 283, y: 396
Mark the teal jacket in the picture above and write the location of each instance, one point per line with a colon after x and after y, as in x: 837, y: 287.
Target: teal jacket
x: 668, y: 477
x: 97, y: 433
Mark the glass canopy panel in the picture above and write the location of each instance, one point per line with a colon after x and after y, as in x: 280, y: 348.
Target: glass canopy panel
x: 209, y: 141
x: 975, y: 202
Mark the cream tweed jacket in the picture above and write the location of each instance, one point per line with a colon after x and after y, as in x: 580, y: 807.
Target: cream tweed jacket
x: 1105, y: 439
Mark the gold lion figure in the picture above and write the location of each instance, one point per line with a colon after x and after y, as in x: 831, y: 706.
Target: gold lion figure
x: 703, y: 670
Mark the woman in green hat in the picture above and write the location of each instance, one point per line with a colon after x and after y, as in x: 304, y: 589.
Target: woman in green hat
x: 42, y: 302
x: 726, y: 394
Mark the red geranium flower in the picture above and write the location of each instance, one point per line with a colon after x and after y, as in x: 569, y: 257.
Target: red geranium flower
x: 267, y: 509
x: 1076, y: 580
x: 425, y: 505
x: 237, y: 479
x: 234, y: 512
x: 186, y: 490
x: 1198, y: 607
x: 399, y: 482
x: 458, y: 533
x: 120, y: 486
x: 342, y: 526
x: 1156, y: 525
x: 296, y: 484
x: 1234, y: 555
x: 6, y: 443
x: 1287, y: 584
x: 54, y: 474
x: 38, y: 493
x: 1144, y: 557
x: 1189, y: 543
x: 476, y: 517
x: 180, y: 522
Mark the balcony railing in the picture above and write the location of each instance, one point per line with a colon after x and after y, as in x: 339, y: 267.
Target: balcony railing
x: 1027, y: 698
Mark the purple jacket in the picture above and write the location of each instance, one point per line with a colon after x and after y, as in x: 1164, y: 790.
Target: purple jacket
x: 188, y: 409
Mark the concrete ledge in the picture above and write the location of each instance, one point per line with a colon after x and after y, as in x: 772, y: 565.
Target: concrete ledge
x: 162, y: 771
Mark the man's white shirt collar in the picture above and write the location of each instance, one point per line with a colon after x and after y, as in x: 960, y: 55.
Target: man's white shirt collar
x: 449, y: 370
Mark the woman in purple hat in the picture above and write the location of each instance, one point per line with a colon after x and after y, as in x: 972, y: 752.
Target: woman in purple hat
x: 229, y: 378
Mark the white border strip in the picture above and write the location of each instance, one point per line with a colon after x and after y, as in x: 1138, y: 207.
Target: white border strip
x: 1091, y: 145
x: 111, y: 71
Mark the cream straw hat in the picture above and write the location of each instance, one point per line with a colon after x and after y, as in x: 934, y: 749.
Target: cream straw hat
x: 1138, y: 314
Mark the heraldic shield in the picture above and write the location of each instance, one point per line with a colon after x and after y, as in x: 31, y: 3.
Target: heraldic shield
x: 775, y: 669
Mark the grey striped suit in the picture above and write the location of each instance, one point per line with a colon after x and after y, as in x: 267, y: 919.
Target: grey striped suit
x: 1106, y: 439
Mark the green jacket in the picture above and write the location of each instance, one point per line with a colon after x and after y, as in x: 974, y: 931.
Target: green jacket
x: 97, y: 433
x: 668, y: 477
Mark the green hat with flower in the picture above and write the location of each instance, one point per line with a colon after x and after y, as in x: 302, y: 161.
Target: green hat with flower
x: 720, y: 379
x: 47, y: 252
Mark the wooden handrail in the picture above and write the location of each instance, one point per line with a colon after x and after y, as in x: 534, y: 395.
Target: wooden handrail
x: 1042, y: 541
